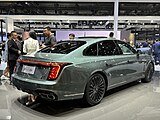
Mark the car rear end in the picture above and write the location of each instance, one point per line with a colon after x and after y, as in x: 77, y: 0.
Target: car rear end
x: 48, y: 75
x: 39, y: 77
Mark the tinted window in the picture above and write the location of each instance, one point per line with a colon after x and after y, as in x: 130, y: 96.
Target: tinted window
x: 63, y: 47
x: 102, y: 48
x: 126, y: 48
x: 91, y: 50
x: 107, y: 47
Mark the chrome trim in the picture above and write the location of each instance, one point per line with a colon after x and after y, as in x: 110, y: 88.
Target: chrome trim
x: 73, y: 95
x: 118, y: 84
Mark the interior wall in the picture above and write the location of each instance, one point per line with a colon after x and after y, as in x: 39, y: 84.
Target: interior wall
x: 64, y: 34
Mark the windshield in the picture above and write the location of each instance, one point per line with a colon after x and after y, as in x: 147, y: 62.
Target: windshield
x: 63, y: 47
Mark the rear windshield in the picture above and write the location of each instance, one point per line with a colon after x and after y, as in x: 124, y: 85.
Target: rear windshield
x: 63, y: 47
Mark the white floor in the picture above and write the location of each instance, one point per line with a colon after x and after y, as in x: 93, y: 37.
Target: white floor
x: 157, y: 67
x: 136, y: 101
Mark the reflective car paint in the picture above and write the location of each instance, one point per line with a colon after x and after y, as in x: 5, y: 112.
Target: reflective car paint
x: 73, y: 78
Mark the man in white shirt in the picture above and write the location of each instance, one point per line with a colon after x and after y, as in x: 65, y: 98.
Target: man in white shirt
x: 31, y: 45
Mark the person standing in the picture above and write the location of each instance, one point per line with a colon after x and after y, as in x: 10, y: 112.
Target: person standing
x: 156, y: 50
x: 14, y: 52
x: 111, y: 34
x: 31, y: 45
x: 6, y: 71
x: 145, y: 44
x: 50, y: 38
x: 3, y: 50
x: 71, y: 36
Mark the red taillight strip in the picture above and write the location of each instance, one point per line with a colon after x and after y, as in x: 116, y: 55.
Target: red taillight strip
x: 42, y: 63
x: 35, y: 62
x: 56, y: 67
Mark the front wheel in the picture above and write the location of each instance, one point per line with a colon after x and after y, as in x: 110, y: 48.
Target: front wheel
x: 95, y: 89
x: 149, y: 73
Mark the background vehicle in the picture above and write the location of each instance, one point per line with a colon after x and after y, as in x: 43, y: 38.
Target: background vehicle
x: 145, y: 50
x: 84, y: 68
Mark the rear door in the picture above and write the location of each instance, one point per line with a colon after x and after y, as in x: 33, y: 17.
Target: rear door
x: 106, y: 53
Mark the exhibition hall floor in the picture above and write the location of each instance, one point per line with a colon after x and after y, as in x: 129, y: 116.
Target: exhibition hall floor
x: 135, y: 101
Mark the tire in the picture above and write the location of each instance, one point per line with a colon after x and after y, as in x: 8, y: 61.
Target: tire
x: 148, y: 74
x: 95, y: 89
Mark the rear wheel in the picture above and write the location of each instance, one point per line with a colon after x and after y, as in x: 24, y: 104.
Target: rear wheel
x: 95, y: 89
x: 149, y: 73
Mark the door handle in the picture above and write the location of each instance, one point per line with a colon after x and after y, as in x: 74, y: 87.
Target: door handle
x: 130, y: 61
x: 109, y: 65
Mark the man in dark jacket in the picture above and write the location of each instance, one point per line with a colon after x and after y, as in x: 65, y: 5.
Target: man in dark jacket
x: 156, y: 50
x: 14, y: 47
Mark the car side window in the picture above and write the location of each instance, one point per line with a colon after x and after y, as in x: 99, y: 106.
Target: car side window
x: 91, y: 50
x: 107, y: 47
x: 125, y: 48
x: 103, y: 48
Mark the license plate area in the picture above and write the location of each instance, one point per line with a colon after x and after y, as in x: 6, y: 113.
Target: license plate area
x: 28, y: 69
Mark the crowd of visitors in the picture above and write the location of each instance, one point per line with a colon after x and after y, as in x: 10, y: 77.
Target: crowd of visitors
x: 154, y: 48
x: 15, y: 46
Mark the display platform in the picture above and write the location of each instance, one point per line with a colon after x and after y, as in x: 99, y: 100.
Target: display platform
x: 135, y: 101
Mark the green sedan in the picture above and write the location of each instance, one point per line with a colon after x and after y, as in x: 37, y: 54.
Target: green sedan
x: 84, y: 68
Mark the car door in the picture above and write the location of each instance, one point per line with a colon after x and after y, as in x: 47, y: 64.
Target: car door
x: 109, y: 52
x: 133, y: 65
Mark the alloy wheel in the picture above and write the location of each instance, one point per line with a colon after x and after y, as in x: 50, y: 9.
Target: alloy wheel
x: 95, y: 89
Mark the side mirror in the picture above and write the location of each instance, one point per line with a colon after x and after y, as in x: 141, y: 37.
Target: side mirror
x: 139, y: 52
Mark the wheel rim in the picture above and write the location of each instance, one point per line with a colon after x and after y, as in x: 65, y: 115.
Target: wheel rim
x: 96, y: 88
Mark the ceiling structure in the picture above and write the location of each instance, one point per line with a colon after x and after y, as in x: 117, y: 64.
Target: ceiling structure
x: 96, y: 14
x: 154, y: 1
x: 79, y: 8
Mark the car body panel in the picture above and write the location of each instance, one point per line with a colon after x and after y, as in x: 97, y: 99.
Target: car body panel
x: 72, y: 79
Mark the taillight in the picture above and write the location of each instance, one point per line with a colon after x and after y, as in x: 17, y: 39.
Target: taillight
x: 55, y: 70
x: 53, y: 74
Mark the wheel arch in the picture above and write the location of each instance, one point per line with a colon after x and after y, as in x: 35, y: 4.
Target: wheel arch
x: 88, y: 100
x: 151, y: 63
x: 148, y: 74
x: 104, y: 75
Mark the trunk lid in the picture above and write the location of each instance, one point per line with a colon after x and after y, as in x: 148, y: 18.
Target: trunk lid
x: 36, y: 67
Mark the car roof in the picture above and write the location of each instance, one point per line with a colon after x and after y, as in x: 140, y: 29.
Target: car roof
x: 95, y: 39
x: 91, y: 37
x: 91, y: 40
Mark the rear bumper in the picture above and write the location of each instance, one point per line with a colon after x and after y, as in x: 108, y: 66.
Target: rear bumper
x: 35, y: 89
x: 50, y: 90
